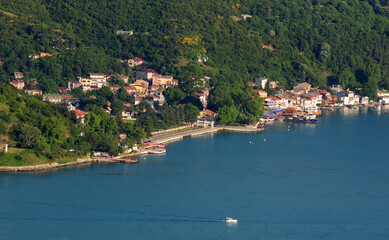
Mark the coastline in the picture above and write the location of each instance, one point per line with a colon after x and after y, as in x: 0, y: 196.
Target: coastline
x: 46, y: 166
x: 165, y: 138
x: 162, y: 138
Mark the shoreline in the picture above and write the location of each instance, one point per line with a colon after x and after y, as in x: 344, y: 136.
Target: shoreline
x: 162, y: 138
x: 165, y: 138
x: 46, y: 166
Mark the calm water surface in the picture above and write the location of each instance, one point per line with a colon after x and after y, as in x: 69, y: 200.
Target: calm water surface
x: 324, y: 181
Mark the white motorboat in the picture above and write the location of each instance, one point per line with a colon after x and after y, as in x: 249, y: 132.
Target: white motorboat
x: 231, y: 220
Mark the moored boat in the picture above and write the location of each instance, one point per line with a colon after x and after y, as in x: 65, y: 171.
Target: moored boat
x: 310, y: 118
x: 375, y: 108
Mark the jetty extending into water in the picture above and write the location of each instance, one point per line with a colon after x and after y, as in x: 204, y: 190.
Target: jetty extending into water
x: 115, y: 160
x: 169, y: 137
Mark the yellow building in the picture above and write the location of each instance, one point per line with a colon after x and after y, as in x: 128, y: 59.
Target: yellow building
x: 261, y: 93
x: 139, y: 88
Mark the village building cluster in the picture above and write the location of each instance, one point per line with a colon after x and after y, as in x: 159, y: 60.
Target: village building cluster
x: 147, y: 85
x: 304, y: 98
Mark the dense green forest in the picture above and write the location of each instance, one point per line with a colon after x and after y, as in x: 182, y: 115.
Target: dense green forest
x: 320, y: 41
x: 49, y: 131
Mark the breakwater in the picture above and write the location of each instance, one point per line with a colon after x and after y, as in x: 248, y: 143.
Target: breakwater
x: 164, y: 138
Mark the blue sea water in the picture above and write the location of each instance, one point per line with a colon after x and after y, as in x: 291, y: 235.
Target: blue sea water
x: 297, y: 181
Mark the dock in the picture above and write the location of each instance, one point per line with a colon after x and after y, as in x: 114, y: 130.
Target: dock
x: 116, y: 160
x: 168, y: 137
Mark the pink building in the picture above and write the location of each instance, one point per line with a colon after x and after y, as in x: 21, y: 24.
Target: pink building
x: 19, y: 84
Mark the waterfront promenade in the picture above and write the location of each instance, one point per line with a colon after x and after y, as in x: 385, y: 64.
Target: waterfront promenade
x: 168, y: 137
x: 158, y: 139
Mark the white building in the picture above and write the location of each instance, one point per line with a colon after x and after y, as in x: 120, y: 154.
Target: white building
x: 383, y: 96
x: 261, y: 81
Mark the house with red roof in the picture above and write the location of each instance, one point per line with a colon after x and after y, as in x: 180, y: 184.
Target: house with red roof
x: 272, y: 84
x: 280, y: 101
x: 98, y: 76
x: 318, y: 97
x: 33, y: 92
x: 63, y: 89
x: 161, y: 80
x: 252, y: 84
x: 66, y: 98
x: 308, y: 101
x: 330, y: 100
x: 207, y: 113
x: 174, y: 82
x: 260, y: 93
x: 130, y: 90
x: 135, y: 62
x: 154, y: 88
x: 142, y: 82
x: 74, y: 84
x: 206, y: 118
x: 138, y: 100
x: 125, y: 78
x: 114, y: 88
x: 80, y: 115
x: 145, y: 74
x: 18, y: 75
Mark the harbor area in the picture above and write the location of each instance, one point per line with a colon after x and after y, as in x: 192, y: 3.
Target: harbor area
x: 169, y: 137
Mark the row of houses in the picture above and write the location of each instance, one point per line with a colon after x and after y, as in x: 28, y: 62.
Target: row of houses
x: 305, y: 98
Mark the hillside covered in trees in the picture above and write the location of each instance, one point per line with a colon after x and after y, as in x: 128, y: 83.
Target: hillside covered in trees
x: 321, y: 42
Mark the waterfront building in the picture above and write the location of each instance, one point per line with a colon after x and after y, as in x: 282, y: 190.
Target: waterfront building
x: 383, y: 96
